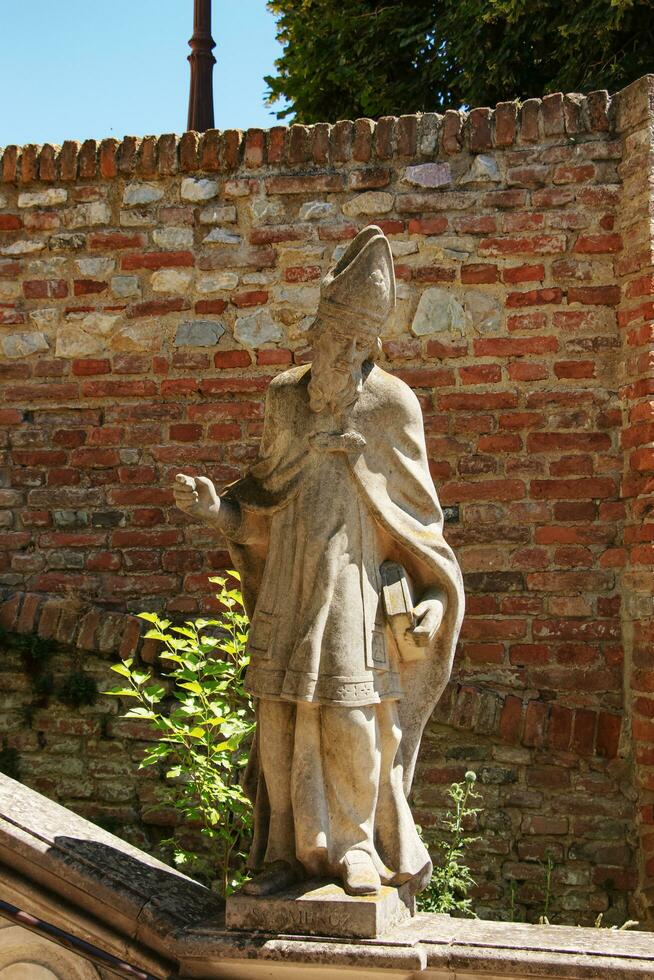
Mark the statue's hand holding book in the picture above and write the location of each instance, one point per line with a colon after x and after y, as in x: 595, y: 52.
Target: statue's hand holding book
x: 414, y: 625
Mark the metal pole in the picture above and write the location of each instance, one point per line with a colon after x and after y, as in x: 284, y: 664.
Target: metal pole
x: 200, y: 103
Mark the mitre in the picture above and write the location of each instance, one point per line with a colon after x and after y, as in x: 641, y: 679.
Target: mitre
x: 362, y: 283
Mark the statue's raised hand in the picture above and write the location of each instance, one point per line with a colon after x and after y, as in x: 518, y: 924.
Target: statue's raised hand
x: 196, y: 496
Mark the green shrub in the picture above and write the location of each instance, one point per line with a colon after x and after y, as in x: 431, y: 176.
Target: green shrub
x: 204, y: 720
x: 451, y: 879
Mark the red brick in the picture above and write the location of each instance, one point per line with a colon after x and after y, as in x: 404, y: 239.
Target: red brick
x: 427, y: 226
x: 481, y: 272
x: 544, y: 442
x: 534, y: 245
x: 87, y: 366
x: 514, y: 346
x: 391, y: 226
x: 274, y: 356
x: 598, y: 244
x: 596, y: 487
x: 527, y: 371
x: 480, y: 374
x: 211, y: 306
x: 254, y: 148
x: 524, y: 273
x: 535, y: 297
x: 42, y: 221
x: 505, y: 123
x: 482, y: 490
x: 45, y: 288
x: 369, y: 178
x: 574, y: 369
x: 223, y: 432
x: 252, y: 297
x: 594, y: 295
x: 179, y: 386
x: 84, y: 287
x: 484, y: 653
x: 11, y: 316
x: 96, y: 457
x: 49, y: 392
x: 302, y: 273
x: 185, y: 432
x: 232, y: 359
x: 509, y: 199
x: 583, y: 732
x: 434, y: 273
x: 157, y: 260
x: 426, y: 377
x: 158, y: 307
x: 138, y: 475
x: 337, y: 233
x: 10, y: 222
x: 574, y: 174
x: 609, y: 727
x: 111, y: 240
x: 479, y: 129
x: 273, y: 234
x: 475, y: 224
x: 535, y: 724
x: 130, y: 364
x: 118, y: 389
x: 501, y: 443
x: 510, y: 719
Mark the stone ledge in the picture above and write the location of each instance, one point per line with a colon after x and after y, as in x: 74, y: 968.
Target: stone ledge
x: 69, y: 872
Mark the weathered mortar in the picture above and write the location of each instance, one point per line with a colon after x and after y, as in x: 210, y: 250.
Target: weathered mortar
x: 150, y: 288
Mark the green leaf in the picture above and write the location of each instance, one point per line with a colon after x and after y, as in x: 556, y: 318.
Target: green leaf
x: 122, y: 669
x: 140, y: 713
x: 192, y: 686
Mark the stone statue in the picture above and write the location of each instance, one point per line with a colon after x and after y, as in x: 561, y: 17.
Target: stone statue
x: 355, y: 598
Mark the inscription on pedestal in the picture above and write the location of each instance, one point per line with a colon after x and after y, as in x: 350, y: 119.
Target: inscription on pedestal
x: 315, y: 909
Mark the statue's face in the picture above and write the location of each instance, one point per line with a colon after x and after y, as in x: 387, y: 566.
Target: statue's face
x: 336, y: 376
x: 343, y: 351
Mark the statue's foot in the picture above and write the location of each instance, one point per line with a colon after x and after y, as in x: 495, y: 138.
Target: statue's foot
x: 276, y: 877
x: 359, y: 875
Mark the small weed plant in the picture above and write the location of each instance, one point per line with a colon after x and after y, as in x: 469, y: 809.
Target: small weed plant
x: 203, y: 719
x: 452, y: 878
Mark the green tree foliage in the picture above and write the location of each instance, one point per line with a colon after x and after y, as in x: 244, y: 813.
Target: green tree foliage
x: 375, y: 57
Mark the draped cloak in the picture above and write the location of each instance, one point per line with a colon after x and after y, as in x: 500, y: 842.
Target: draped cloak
x: 381, y: 438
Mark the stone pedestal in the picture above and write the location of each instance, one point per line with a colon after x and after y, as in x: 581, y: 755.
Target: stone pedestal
x: 317, y: 909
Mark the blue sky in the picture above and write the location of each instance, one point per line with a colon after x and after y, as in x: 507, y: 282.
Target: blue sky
x: 86, y: 69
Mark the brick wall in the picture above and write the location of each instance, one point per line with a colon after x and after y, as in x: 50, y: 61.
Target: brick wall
x: 150, y: 288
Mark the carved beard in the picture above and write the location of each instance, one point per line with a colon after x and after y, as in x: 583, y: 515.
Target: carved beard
x: 331, y: 388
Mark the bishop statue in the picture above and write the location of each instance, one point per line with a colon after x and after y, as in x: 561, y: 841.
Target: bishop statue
x: 355, y: 598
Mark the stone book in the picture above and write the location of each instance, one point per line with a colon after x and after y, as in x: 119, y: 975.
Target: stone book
x: 398, y: 604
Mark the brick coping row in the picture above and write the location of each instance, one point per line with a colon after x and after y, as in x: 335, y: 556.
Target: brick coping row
x: 73, y: 623
x: 552, y: 118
